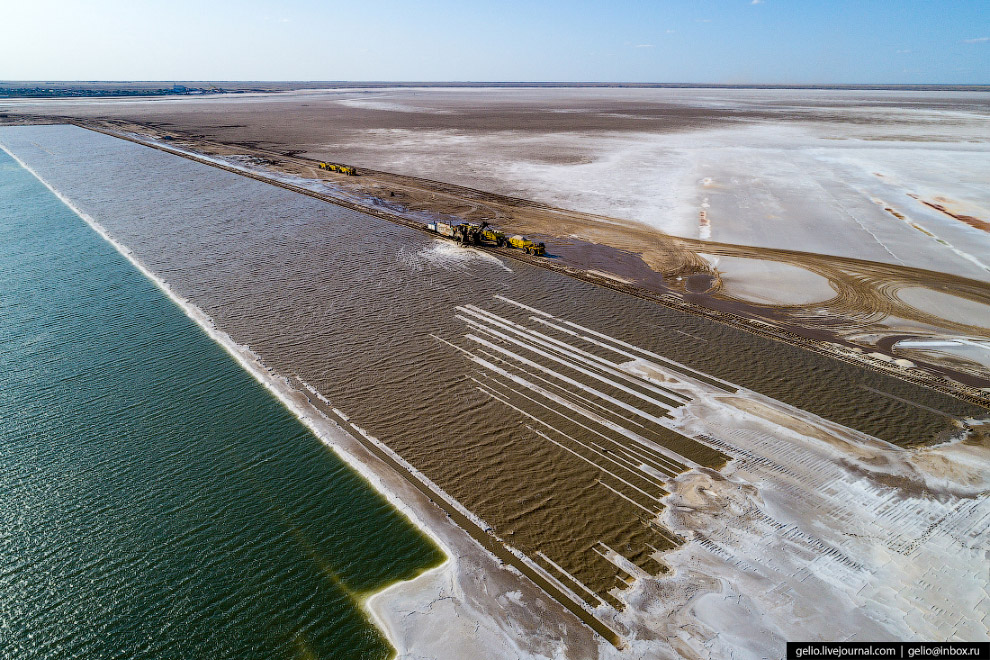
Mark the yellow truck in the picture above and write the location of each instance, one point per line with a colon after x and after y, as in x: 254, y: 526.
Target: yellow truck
x: 528, y: 246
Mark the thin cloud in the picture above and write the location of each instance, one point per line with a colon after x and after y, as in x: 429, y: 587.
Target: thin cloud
x: 978, y: 40
x: 756, y: 2
x: 902, y: 52
x: 644, y: 46
x: 670, y: 32
x: 703, y: 20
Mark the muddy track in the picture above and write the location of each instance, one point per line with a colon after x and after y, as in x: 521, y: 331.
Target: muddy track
x: 866, y: 291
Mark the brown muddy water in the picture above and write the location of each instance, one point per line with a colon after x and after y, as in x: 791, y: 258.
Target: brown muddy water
x: 498, y: 381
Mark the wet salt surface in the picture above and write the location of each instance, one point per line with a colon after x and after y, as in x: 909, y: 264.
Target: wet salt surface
x: 771, y: 282
x: 947, y: 306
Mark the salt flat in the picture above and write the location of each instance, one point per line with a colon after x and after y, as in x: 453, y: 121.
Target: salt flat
x: 827, y: 174
x: 829, y: 171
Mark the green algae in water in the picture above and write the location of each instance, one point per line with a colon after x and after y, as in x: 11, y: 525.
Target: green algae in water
x: 155, y: 500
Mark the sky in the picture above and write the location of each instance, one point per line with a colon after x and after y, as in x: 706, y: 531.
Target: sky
x: 699, y: 41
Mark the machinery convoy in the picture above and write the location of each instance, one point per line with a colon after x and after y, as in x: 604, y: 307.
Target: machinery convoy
x: 467, y: 233
x: 336, y: 167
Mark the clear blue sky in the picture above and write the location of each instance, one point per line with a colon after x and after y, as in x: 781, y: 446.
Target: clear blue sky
x: 721, y: 41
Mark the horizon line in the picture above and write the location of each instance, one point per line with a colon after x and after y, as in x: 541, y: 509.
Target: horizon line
x: 481, y: 83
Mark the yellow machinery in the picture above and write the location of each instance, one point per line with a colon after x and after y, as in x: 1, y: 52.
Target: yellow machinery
x: 468, y: 233
x: 528, y: 246
x: 494, y: 236
x: 342, y: 169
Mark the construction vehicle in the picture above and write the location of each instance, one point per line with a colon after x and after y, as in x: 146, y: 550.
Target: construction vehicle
x: 464, y: 233
x: 468, y: 233
x: 495, y: 236
x: 336, y: 167
x: 528, y: 246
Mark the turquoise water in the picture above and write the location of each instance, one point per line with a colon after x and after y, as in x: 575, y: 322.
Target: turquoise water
x: 156, y: 501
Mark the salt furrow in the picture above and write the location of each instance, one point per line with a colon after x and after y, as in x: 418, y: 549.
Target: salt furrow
x: 595, y: 342
x: 680, y: 367
x: 662, y: 463
x: 621, y: 562
x: 522, y: 306
x: 602, y: 483
x: 657, y: 458
x: 584, y: 412
x: 582, y: 399
x: 562, y: 377
x: 801, y: 514
x: 576, y: 353
x: 570, y: 577
x: 570, y: 365
x: 620, y: 456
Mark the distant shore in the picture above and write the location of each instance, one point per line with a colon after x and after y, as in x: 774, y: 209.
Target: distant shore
x: 12, y: 89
